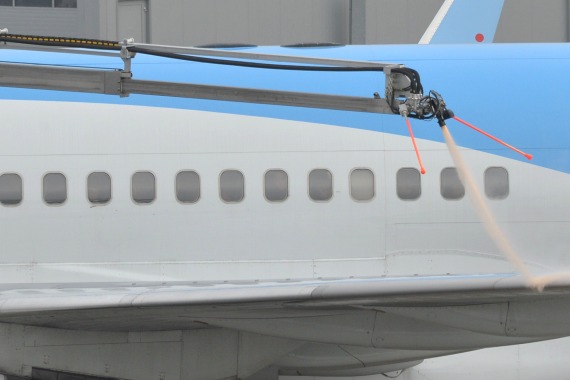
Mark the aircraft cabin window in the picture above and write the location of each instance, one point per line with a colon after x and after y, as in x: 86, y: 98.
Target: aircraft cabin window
x: 232, y: 186
x: 34, y: 3
x: 408, y: 184
x: 276, y: 185
x: 10, y: 189
x: 65, y: 3
x: 450, y: 184
x: 40, y: 3
x: 54, y: 188
x: 362, y: 184
x: 320, y: 185
x: 99, y: 187
x: 143, y: 187
x: 188, y: 186
x: 496, y: 183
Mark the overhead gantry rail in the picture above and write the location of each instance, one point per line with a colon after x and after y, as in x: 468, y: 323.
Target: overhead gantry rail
x: 401, y: 82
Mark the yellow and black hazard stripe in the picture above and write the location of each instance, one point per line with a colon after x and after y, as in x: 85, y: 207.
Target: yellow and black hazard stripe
x: 61, y: 41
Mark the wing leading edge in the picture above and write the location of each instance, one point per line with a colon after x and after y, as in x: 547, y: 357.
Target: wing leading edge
x: 488, y: 308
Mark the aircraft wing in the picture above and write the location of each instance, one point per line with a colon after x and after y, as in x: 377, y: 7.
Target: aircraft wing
x: 486, y: 307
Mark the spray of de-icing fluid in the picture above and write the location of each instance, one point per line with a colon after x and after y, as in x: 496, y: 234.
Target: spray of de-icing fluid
x: 489, y: 221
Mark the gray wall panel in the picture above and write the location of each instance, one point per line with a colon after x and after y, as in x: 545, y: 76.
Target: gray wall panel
x: 330, y: 21
x: 265, y: 22
x: 398, y: 21
x: 296, y: 21
x: 260, y: 22
x: 81, y: 22
x: 107, y: 20
x: 533, y: 21
x: 132, y: 20
x: 90, y: 18
x: 167, y: 22
x: 43, y: 21
x: 230, y: 19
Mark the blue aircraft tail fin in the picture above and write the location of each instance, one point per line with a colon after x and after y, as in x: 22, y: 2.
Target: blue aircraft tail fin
x: 464, y: 21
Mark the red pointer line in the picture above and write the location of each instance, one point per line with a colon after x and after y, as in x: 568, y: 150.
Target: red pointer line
x: 422, y: 169
x: 528, y: 156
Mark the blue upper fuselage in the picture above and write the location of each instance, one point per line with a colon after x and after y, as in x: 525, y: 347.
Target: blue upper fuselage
x: 513, y: 91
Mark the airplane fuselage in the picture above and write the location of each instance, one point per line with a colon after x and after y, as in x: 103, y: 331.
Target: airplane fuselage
x: 97, y: 190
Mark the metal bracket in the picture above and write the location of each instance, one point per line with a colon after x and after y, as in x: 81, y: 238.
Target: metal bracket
x: 126, y: 56
x: 397, y: 85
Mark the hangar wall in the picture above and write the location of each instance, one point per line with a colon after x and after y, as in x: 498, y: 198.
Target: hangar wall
x: 259, y: 22
x: 80, y: 21
x: 534, y: 21
x: 273, y: 22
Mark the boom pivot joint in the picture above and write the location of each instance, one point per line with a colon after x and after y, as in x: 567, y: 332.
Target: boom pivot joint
x: 404, y: 95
